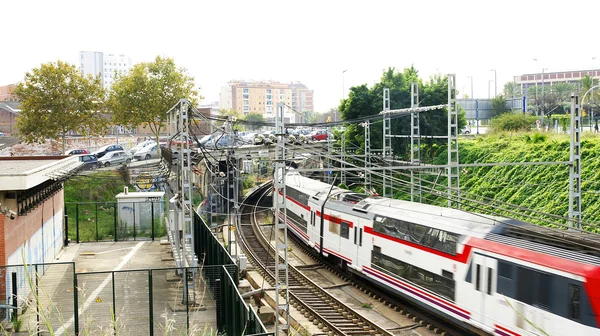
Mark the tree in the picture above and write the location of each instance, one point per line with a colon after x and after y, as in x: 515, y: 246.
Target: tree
x: 363, y: 101
x: 148, y: 91
x: 56, y: 98
x: 510, y: 90
x: 591, y: 100
x: 254, y: 118
x: 498, y: 105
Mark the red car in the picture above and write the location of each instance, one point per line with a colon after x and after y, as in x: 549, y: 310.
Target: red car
x: 77, y: 152
x: 318, y: 135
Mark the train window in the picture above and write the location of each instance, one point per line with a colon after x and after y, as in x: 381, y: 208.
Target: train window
x: 360, y: 237
x: 415, y: 233
x: 478, y: 277
x: 433, y: 282
x: 355, y: 235
x: 489, y: 281
x: 526, y: 280
x: 447, y: 274
x: 345, y: 230
x: 505, y: 270
x: 544, y: 291
x: 574, y: 300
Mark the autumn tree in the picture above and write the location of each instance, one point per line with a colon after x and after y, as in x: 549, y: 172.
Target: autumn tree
x: 148, y: 91
x: 55, y: 99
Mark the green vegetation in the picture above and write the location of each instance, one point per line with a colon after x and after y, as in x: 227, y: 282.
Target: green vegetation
x: 542, y: 188
x: 91, y: 207
x: 513, y: 122
x: 365, y: 101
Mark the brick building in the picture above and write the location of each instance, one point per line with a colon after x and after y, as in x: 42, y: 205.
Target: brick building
x: 32, y: 211
x: 8, y: 116
x: 6, y: 93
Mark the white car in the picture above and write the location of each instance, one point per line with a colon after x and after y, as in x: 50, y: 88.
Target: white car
x: 142, y: 145
x: 147, y: 153
x: 114, y: 158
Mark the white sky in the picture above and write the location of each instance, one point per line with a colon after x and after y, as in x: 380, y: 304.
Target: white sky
x: 309, y: 41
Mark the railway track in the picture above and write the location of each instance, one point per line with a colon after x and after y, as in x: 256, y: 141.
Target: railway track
x: 332, y: 316
x: 335, y: 317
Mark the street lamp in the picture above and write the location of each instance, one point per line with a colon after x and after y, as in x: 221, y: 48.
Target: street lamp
x: 471, y: 86
x: 543, y: 95
x: 495, y: 83
x: 489, y: 90
x: 343, y: 93
x: 537, y: 102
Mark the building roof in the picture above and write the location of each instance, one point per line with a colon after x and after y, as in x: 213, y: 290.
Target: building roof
x: 24, y: 172
x: 149, y: 194
x: 10, y: 106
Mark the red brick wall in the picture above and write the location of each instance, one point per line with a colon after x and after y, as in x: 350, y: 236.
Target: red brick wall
x: 7, y: 121
x: 23, y: 227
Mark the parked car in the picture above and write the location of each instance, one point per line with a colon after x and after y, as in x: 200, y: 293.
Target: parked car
x: 90, y: 161
x: 147, y: 153
x: 76, y: 152
x: 248, y: 138
x: 142, y: 145
x: 1, y: 134
x: 318, y: 135
x: 107, y: 149
x: 466, y: 130
x: 114, y: 158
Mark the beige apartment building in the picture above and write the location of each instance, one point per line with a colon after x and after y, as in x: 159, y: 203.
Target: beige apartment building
x: 264, y: 96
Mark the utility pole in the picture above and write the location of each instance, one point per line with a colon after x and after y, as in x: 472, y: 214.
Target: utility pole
x: 452, y: 170
x: 575, y: 165
x: 415, y: 145
x: 495, y: 83
x: 282, y: 298
x: 387, y: 143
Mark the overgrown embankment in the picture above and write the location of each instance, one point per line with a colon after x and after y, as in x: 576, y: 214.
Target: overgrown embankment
x: 100, y: 186
x: 528, y: 188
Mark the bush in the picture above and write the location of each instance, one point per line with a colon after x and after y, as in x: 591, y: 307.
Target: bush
x: 513, y: 122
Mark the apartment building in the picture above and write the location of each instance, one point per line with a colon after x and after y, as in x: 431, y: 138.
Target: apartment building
x: 6, y: 93
x: 105, y: 65
x: 264, y: 96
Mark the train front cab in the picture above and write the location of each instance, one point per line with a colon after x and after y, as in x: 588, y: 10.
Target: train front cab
x: 515, y: 297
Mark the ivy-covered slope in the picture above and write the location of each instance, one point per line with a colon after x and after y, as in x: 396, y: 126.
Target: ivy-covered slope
x: 527, y: 188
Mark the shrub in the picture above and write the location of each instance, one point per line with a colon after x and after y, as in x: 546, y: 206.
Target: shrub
x: 513, y: 122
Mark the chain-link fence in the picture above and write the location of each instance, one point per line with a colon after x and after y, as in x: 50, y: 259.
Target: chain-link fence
x: 115, y: 221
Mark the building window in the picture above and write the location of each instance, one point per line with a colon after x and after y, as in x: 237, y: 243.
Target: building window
x: 269, y: 103
x: 245, y: 91
x: 246, y: 102
x: 269, y: 109
x: 245, y: 96
x: 246, y: 108
x: 269, y: 97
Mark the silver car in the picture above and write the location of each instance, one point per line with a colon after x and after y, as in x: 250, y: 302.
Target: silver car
x: 114, y: 158
x: 147, y: 153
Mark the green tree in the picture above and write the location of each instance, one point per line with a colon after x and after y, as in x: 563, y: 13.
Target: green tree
x: 56, y: 98
x: 363, y: 101
x: 254, y: 118
x: 148, y: 91
x: 499, y: 105
x: 591, y: 100
x: 510, y: 89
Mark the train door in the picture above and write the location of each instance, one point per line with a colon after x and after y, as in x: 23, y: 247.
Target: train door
x: 358, y: 232
x: 313, y: 223
x: 484, y: 282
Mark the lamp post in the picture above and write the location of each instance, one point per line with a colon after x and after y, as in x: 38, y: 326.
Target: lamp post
x: 489, y: 90
x: 537, y: 103
x: 495, y: 83
x: 343, y: 93
x: 471, y: 77
x: 543, y: 94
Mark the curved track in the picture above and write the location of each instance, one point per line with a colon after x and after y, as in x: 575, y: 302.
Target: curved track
x: 332, y: 315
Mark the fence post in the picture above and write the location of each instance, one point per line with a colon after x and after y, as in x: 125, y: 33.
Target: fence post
x: 150, y: 302
x: 187, y: 301
x: 219, y: 306
x: 75, y: 301
x: 96, y: 204
x: 152, y: 212
x: 114, y: 299
x: 77, y: 222
x: 15, y: 313
x: 133, y: 203
x: 115, y: 220
x: 66, y: 230
x: 37, y: 299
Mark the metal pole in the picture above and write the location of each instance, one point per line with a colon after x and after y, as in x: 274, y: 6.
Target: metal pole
x: 415, y: 145
x: 343, y: 156
x: 115, y: 221
x: 77, y: 222
x: 472, y: 88
x: 575, y: 164
x: 387, y: 143
x: 150, y: 302
x: 366, y: 125
x: 543, y: 95
x: 452, y: 170
x: 281, y: 248
x: 495, y: 84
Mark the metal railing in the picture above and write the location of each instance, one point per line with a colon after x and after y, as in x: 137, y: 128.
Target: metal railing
x: 165, y: 301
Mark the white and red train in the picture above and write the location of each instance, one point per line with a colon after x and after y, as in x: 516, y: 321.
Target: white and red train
x: 467, y: 267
